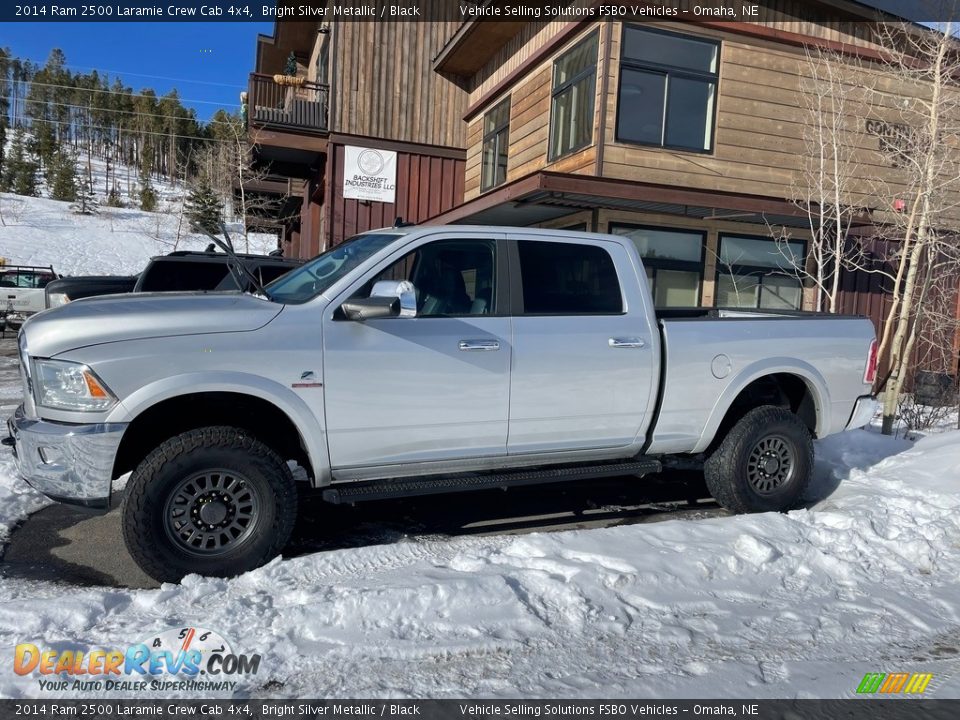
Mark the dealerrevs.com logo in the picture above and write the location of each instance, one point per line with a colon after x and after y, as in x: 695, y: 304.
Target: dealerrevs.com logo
x: 181, y: 659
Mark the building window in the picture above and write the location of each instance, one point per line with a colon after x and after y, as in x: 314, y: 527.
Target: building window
x: 668, y: 88
x: 496, y: 137
x: 568, y: 279
x: 673, y: 260
x: 758, y: 272
x: 571, y: 104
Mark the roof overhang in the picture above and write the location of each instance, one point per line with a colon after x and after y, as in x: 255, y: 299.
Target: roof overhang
x: 474, y: 43
x: 295, y: 37
x: 545, y: 196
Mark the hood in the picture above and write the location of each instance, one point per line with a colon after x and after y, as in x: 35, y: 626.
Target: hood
x: 94, y: 321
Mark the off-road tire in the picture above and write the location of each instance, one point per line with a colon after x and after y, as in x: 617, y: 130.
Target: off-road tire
x: 729, y: 469
x: 145, y: 530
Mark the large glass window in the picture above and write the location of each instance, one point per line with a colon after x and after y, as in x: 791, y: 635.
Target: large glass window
x: 673, y: 260
x: 568, y: 279
x: 496, y: 138
x: 668, y: 86
x: 572, y: 100
x: 756, y: 272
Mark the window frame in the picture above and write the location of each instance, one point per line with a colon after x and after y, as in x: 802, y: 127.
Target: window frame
x: 668, y: 264
x: 494, y: 135
x: 565, y: 86
x: 517, y: 308
x: 502, y: 288
x: 758, y: 270
x: 668, y: 71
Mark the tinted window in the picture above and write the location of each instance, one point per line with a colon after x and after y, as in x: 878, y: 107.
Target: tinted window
x: 673, y: 261
x: 667, y: 89
x: 451, y: 277
x: 175, y: 276
x: 757, y: 272
x: 571, y: 105
x: 496, y: 140
x: 568, y: 279
x: 661, y: 48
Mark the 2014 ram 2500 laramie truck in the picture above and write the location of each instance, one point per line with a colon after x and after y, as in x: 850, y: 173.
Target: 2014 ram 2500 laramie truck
x: 418, y: 360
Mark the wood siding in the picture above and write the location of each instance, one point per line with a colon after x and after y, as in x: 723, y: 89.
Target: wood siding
x: 530, y: 129
x: 383, y: 84
x: 762, y: 127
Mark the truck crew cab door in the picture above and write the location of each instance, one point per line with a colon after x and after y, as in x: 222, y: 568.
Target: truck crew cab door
x: 585, y: 360
x: 434, y: 387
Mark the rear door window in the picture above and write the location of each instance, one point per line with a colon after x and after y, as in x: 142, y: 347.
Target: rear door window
x: 568, y: 279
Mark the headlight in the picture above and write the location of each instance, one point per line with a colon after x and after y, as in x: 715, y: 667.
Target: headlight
x: 70, y: 386
x: 57, y: 299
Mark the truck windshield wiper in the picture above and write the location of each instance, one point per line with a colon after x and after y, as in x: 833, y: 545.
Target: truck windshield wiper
x: 236, y: 266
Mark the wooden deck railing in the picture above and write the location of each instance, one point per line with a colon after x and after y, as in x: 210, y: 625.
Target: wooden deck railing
x: 299, y: 107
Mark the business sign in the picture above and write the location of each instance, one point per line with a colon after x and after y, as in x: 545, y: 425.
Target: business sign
x: 370, y: 174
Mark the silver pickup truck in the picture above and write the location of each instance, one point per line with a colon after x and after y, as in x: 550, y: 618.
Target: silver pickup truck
x: 412, y: 361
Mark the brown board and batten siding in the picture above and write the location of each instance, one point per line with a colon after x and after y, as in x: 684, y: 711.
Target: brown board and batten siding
x: 427, y: 185
x: 762, y: 123
x: 384, y: 85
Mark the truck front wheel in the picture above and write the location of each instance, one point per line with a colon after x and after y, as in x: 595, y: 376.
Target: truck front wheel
x: 764, y: 463
x: 212, y: 501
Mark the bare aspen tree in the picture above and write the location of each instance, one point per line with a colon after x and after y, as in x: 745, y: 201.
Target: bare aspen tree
x: 825, y: 186
x: 922, y: 144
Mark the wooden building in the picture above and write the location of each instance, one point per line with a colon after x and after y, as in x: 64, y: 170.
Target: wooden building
x: 325, y: 92
x: 688, y: 137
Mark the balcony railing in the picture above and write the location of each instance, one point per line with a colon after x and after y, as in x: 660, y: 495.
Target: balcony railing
x: 300, y: 107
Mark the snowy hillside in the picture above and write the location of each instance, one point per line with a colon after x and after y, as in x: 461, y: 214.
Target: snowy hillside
x: 40, y: 231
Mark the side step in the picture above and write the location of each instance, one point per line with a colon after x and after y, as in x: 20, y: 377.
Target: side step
x: 407, y: 487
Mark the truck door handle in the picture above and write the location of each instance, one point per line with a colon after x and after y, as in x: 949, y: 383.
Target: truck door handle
x: 626, y: 343
x: 479, y: 345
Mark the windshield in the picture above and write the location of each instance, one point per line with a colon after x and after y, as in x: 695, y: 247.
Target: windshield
x: 308, y: 281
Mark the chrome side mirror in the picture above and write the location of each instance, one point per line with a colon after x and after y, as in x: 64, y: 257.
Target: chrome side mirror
x: 401, y: 289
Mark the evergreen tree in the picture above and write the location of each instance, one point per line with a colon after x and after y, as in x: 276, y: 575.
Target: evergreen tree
x: 5, y: 66
x: 148, y: 196
x: 44, y: 142
x: 87, y: 203
x: 61, y: 175
x: 20, y: 170
x: 203, y: 208
x: 113, y: 198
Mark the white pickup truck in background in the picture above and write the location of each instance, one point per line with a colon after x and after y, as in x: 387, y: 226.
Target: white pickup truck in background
x: 419, y: 360
x: 22, y: 293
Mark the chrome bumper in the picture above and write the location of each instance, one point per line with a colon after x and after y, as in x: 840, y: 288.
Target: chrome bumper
x: 863, y: 411
x: 68, y: 463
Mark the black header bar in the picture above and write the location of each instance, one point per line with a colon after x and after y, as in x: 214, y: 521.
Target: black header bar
x: 459, y: 10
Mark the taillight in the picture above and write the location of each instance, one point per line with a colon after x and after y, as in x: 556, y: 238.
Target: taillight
x: 870, y: 374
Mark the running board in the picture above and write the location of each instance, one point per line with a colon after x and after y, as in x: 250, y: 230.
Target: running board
x: 407, y: 487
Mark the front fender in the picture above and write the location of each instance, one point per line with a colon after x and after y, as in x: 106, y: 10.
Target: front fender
x: 811, y: 377
x: 291, y: 404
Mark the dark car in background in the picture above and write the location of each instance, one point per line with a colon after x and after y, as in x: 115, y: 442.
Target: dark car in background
x: 179, y: 271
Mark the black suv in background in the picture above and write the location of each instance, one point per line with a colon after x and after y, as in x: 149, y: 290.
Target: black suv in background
x: 180, y: 271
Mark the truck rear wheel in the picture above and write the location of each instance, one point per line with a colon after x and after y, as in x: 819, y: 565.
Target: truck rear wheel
x: 764, y: 463
x: 212, y: 501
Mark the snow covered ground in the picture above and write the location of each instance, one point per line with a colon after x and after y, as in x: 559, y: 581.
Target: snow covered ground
x: 40, y: 231
x: 773, y: 605
x: 801, y: 604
